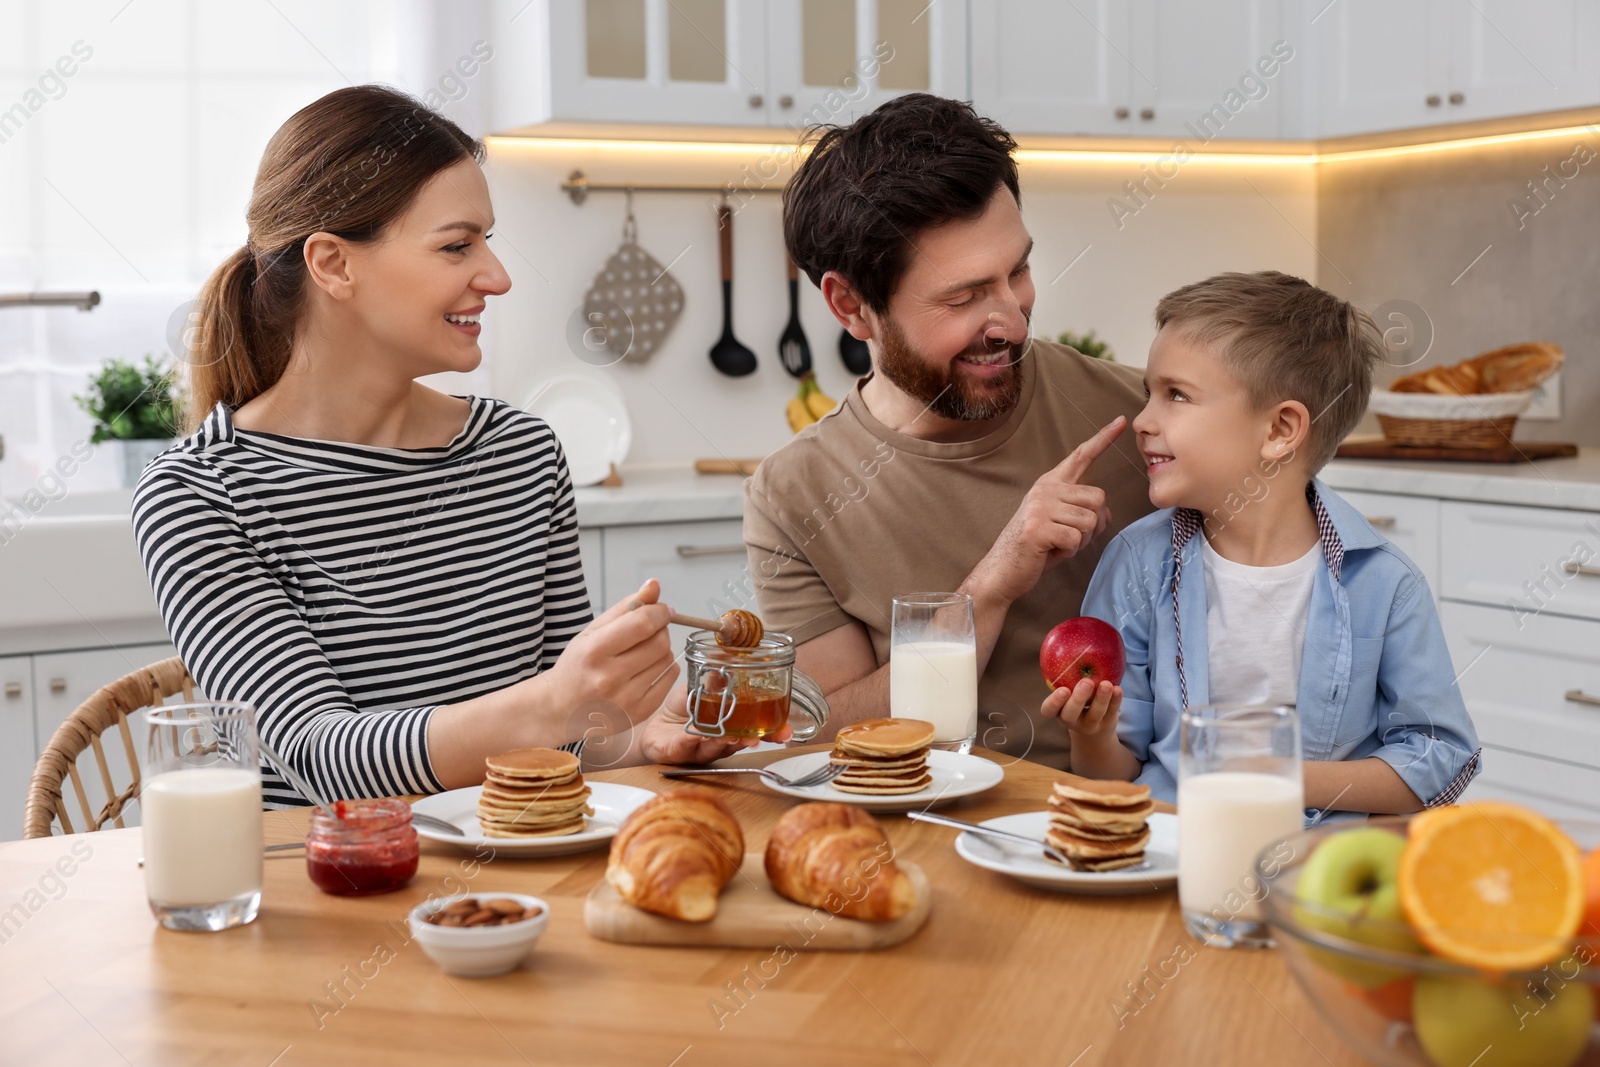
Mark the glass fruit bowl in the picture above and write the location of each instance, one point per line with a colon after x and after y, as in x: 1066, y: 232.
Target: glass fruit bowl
x: 1398, y: 1004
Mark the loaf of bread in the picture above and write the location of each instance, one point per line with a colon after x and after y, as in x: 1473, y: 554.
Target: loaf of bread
x: 674, y: 853
x: 1505, y: 370
x: 837, y: 857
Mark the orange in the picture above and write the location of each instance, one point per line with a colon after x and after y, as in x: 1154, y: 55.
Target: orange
x: 1591, y: 910
x: 1492, y: 885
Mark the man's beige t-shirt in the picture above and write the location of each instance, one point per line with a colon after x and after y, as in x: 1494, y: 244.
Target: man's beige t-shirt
x: 851, y: 513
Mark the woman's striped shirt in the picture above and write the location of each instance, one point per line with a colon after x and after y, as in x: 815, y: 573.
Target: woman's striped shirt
x: 347, y: 590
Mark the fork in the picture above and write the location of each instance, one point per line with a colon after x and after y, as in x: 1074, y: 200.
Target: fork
x: 826, y: 773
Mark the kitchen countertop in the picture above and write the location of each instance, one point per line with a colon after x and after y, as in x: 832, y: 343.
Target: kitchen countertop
x: 1571, y: 482
x: 662, y: 494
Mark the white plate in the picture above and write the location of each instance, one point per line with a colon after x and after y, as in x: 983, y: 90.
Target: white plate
x: 611, y: 803
x: 589, y: 420
x: 954, y: 775
x: 1029, y: 864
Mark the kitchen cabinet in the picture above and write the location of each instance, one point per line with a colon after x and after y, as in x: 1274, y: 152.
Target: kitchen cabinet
x: 1523, y: 560
x: 1410, y: 523
x: 1391, y: 66
x: 1142, y: 68
x: 721, y: 62
x: 17, y: 749
x: 1532, y: 684
x: 37, y: 693
x: 701, y: 565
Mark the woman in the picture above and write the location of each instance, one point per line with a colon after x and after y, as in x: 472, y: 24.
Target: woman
x: 389, y: 574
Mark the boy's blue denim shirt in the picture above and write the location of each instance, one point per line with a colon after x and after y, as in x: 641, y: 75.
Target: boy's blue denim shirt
x: 1375, y: 675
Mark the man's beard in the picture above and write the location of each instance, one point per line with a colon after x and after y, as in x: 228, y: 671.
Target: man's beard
x: 947, y: 393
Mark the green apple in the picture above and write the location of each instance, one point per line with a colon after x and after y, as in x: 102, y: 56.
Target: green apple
x: 1480, y: 1022
x: 1351, y: 881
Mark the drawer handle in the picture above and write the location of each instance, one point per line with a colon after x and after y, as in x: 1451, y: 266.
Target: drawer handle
x: 695, y: 551
x: 58, y: 685
x: 1578, y: 696
x: 13, y: 690
x: 1580, y: 568
x: 1383, y: 522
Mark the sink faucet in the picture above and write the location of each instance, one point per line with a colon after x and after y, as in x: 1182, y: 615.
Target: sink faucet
x: 81, y: 301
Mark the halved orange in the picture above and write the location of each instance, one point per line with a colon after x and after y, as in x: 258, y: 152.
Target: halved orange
x: 1492, y: 885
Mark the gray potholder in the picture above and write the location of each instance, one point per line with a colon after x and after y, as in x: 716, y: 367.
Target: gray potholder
x: 633, y: 298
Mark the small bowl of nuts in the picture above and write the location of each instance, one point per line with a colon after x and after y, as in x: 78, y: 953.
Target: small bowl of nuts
x: 479, y: 935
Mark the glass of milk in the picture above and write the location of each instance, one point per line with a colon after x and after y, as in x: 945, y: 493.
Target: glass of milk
x: 200, y: 809
x: 1240, y: 795
x: 933, y: 666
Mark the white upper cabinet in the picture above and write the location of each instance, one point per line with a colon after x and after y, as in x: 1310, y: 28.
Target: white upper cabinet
x: 1385, y: 65
x: 667, y: 61
x: 1043, y: 66
x: 835, y: 60
x: 722, y: 62
x: 1511, y: 57
x: 1218, y: 69
x: 1140, y: 67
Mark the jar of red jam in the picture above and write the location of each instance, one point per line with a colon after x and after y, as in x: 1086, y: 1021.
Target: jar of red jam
x: 370, y: 848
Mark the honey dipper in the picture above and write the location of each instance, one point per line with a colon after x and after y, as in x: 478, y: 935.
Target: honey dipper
x: 735, y: 628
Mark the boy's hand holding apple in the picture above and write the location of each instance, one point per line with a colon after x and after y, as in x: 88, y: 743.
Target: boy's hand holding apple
x: 1083, y: 659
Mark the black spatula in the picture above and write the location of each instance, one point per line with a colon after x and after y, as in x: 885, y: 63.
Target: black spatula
x: 728, y: 355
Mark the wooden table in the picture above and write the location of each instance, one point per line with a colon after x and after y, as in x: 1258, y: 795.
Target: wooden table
x: 1001, y: 974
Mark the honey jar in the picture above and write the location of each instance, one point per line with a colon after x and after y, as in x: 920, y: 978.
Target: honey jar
x: 749, y: 692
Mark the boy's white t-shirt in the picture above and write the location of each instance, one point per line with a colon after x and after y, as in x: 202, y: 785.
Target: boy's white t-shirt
x: 1256, y: 627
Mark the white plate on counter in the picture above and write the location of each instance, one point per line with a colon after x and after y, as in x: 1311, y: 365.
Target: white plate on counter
x: 954, y: 775
x: 1029, y: 865
x: 590, y: 421
x: 611, y: 803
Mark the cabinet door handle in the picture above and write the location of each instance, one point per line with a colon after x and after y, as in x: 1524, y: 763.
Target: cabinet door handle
x: 1120, y: 113
x: 58, y: 685
x: 13, y: 690
x: 1147, y: 113
x: 1381, y: 521
x: 1581, y: 569
x: 1458, y: 98
x: 756, y: 100
x: 695, y: 551
x: 1432, y: 100
x: 786, y: 101
x: 1578, y: 696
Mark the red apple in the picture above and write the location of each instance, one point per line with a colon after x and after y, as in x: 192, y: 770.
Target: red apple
x: 1082, y: 648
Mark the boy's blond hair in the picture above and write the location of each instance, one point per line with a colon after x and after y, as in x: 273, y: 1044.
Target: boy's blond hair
x: 1286, y: 340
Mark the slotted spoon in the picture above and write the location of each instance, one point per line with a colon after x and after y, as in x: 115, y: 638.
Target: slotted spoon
x: 793, y: 349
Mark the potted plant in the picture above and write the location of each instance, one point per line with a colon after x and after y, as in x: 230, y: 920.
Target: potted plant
x: 1088, y: 344
x: 135, y: 408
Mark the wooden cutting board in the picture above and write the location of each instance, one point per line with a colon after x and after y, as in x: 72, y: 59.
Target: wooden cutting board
x: 750, y: 914
x: 746, y: 467
x: 1517, y: 452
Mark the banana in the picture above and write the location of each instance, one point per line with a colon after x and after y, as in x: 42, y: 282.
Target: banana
x: 798, y: 414
x: 818, y: 402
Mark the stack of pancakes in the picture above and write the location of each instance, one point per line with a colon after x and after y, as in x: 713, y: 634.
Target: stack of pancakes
x: 533, y: 792
x: 883, y: 757
x: 1099, y: 826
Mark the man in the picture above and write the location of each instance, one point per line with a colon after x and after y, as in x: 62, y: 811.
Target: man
x: 969, y: 460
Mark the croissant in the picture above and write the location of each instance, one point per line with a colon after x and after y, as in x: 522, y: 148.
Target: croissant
x: 837, y: 857
x: 675, y: 852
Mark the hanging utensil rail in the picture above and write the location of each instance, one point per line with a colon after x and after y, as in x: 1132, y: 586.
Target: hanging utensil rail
x: 578, y: 186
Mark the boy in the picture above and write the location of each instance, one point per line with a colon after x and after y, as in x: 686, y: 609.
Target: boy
x: 1256, y: 583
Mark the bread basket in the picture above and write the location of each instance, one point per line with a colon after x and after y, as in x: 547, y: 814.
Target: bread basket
x: 1480, y: 420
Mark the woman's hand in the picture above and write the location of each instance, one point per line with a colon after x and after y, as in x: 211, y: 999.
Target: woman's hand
x: 623, y: 658
x: 662, y: 738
